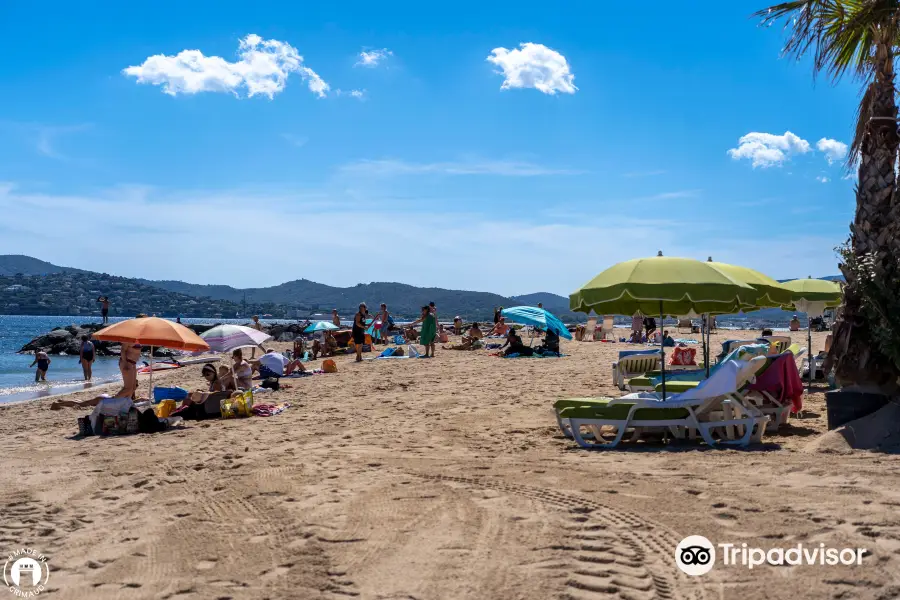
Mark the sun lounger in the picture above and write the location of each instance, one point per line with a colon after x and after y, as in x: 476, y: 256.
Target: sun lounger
x: 777, y: 343
x: 713, y: 409
x: 685, y: 324
x: 587, y: 335
x: 729, y: 345
x: 634, y: 362
x: 682, y: 380
x: 778, y: 390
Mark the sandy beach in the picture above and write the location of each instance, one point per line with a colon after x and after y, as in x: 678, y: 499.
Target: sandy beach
x: 427, y: 479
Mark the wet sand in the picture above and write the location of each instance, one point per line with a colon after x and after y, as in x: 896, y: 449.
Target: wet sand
x: 443, y: 478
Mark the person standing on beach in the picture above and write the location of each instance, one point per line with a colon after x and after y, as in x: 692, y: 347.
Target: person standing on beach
x: 433, y: 310
x: 497, y: 312
x: 43, y: 363
x: 335, y: 319
x: 104, y: 308
x: 128, y: 357
x: 429, y: 329
x: 86, y: 357
x: 385, y: 317
x: 359, y: 330
x: 257, y: 326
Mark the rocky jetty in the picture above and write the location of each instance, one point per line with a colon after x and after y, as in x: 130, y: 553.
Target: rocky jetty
x: 67, y: 340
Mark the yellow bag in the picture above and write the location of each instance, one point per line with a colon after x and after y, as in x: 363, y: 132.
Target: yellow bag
x: 329, y: 366
x: 238, y: 405
x: 165, y: 408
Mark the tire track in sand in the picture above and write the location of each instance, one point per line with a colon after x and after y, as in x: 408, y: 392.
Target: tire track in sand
x: 613, y: 553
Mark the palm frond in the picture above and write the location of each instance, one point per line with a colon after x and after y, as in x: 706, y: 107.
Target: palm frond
x: 863, y: 114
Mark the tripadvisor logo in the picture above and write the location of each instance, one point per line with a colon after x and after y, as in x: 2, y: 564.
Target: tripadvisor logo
x: 696, y: 555
x: 26, y: 572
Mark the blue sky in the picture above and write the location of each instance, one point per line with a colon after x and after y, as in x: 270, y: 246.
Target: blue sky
x: 605, y: 138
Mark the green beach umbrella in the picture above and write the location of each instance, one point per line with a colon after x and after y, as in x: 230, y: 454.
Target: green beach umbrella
x: 815, y: 290
x: 813, y: 296
x: 662, y: 286
x: 771, y: 294
x: 672, y: 286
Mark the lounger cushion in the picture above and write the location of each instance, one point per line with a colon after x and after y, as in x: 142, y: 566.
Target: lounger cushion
x: 597, y: 408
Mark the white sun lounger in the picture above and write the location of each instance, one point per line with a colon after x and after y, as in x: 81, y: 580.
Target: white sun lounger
x: 714, y: 409
x: 634, y: 365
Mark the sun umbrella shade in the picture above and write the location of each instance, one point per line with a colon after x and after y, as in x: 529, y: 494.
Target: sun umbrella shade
x: 815, y: 290
x: 537, y: 317
x: 770, y: 293
x: 674, y: 286
x: 153, y: 331
x: 224, y: 338
x: 320, y: 326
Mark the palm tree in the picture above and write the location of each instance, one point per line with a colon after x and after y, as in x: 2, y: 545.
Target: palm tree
x: 862, y: 38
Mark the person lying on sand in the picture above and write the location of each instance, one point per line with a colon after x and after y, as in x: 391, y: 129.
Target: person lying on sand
x: 501, y: 328
x: 466, y: 343
x: 515, y: 345
x: 58, y: 404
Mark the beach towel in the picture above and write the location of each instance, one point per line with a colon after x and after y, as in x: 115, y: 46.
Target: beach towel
x: 782, y: 381
x: 269, y: 410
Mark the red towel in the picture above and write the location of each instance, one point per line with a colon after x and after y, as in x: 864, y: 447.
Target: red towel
x: 782, y: 381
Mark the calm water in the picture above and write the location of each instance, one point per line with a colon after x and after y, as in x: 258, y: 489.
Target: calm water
x: 17, y: 378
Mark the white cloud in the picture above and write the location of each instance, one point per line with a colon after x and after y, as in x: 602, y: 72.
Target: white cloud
x: 769, y: 150
x: 534, y: 66
x: 263, y: 68
x: 822, y: 179
x: 508, y: 168
x: 358, y: 94
x: 372, y: 57
x: 834, y: 150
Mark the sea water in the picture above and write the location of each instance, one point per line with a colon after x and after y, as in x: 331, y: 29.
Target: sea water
x: 65, y: 375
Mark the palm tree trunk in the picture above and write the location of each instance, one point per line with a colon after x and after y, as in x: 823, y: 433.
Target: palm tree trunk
x: 873, y: 234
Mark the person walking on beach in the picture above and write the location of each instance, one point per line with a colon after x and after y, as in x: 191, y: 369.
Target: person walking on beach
x: 43, y: 363
x: 429, y: 330
x: 359, y: 330
x: 104, y: 308
x: 650, y: 326
x: 86, y: 357
x: 335, y: 319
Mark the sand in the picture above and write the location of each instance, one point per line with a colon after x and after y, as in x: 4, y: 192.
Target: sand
x: 427, y: 479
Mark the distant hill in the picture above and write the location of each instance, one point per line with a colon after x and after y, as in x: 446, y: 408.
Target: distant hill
x: 552, y: 302
x: 13, y: 264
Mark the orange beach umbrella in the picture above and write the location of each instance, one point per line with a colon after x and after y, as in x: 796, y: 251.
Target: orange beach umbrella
x: 153, y: 331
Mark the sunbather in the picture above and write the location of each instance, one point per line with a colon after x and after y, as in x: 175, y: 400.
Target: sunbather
x: 514, y: 345
x: 243, y: 372
x: 550, y: 343
x: 475, y: 332
x: 466, y: 343
x: 274, y: 364
x: 795, y: 323
x: 457, y: 325
x: 501, y: 328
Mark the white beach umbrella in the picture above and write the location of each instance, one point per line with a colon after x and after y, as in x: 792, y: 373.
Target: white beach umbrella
x: 223, y: 338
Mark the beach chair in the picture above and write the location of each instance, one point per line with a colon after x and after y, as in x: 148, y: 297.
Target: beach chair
x: 685, y: 324
x: 769, y: 397
x: 588, y: 334
x: 606, y: 329
x: 728, y: 346
x: 634, y: 362
x: 678, y: 381
x: 777, y: 343
x: 714, y: 410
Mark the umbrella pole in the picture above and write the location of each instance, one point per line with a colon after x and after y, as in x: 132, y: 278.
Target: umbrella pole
x: 151, y: 374
x: 812, y: 360
x: 662, y: 350
x: 708, y: 346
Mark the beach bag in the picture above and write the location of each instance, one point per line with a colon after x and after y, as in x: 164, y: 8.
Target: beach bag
x: 683, y: 356
x: 271, y: 383
x: 238, y: 405
x: 329, y: 366
x: 165, y: 408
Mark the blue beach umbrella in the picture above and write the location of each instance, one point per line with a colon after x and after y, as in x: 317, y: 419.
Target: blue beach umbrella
x: 320, y: 326
x: 536, y: 317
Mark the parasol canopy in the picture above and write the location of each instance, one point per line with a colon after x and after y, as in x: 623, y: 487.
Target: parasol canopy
x: 153, y: 331
x: 223, y: 338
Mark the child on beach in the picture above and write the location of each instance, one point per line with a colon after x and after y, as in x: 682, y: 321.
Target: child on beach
x: 43, y: 363
x: 429, y: 330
